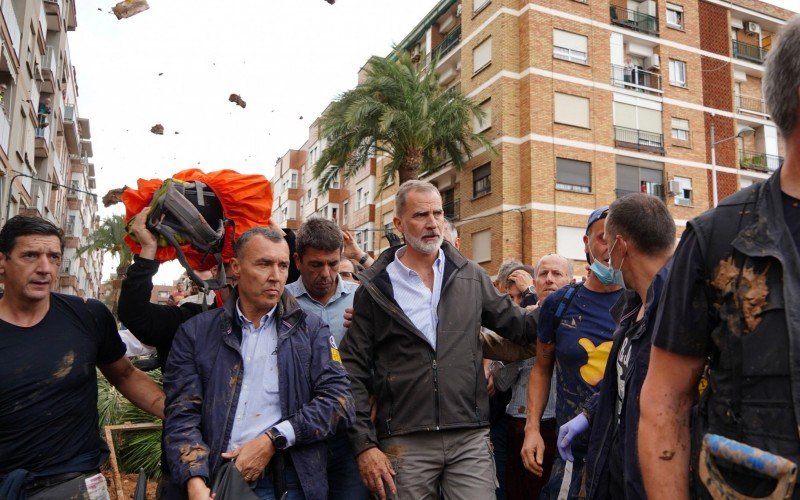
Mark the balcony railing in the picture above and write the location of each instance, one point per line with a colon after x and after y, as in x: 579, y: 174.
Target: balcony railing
x: 570, y: 55
x: 752, y: 104
x: 452, y: 209
x: 762, y: 162
x: 749, y: 52
x: 450, y: 42
x: 638, y: 139
x: 634, y: 20
x: 50, y: 60
x: 635, y: 79
x: 11, y: 22
x: 69, y: 112
x: 5, y: 131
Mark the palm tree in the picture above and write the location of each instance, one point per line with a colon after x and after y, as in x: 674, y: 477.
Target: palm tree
x: 109, y: 238
x: 399, y: 110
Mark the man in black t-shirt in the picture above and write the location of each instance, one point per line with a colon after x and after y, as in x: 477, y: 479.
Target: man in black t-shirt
x: 731, y: 302
x: 50, y: 345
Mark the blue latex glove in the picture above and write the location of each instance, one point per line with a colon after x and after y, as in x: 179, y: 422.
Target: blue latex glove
x: 568, y: 432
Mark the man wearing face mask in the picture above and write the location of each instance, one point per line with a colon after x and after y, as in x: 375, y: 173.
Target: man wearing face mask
x: 574, y: 338
x: 640, y: 233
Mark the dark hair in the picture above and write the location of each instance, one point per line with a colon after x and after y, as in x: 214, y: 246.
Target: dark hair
x: 644, y: 219
x: 318, y: 233
x: 267, y: 232
x: 22, y: 225
x: 782, y: 78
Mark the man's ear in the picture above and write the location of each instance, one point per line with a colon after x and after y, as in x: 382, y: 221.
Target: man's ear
x: 297, y: 260
x: 235, y: 266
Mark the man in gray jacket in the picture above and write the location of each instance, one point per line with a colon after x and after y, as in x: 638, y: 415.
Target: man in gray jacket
x: 414, y: 345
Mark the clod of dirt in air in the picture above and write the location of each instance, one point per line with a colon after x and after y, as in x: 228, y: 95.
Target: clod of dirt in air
x: 128, y: 8
x: 176, y: 132
x: 114, y: 196
x: 100, y: 9
x: 331, y: 1
x: 238, y: 100
x: 157, y: 129
x: 160, y: 74
x: 301, y: 117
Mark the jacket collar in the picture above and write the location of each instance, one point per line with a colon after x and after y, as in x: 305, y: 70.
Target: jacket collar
x: 763, y: 236
x: 453, y: 260
x: 287, y: 314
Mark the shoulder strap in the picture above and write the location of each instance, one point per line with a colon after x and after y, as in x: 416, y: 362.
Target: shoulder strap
x: 565, y: 302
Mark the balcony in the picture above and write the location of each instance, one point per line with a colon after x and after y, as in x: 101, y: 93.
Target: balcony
x: 49, y: 70
x: 747, y: 52
x: 761, y: 162
x: 634, y: 20
x: 450, y: 42
x: 363, y: 215
x: 11, y: 23
x: 749, y: 104
x: 637, y: 79
x: 42, y: 143
x: 639, y: 140
x: 452, y: 210
x: 5, y: 131
x: 71, y: 129
x: 53, y: 11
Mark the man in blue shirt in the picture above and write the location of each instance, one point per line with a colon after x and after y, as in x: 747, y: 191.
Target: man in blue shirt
x: 257, y: 381
x: 574, y: 339
x: 320, y: 291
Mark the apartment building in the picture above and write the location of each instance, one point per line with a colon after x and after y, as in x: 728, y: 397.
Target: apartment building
x: 45, y: 146
x: 586, y: 101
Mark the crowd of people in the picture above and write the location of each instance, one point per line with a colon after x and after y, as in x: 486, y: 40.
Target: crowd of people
x: 318, y: 372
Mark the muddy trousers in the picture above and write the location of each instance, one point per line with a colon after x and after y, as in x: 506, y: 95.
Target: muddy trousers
x: 459, y: 463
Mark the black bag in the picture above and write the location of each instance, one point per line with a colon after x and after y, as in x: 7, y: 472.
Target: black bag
x: 229, y: 484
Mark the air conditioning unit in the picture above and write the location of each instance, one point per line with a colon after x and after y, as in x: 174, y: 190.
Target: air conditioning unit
x: 752, y: 28
x: 652, y: 62
x: 459, y: 9
x: 675, y: 187
x: 684, y: 202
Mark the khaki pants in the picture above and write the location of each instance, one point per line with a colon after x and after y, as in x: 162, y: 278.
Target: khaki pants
x: 459, y: 463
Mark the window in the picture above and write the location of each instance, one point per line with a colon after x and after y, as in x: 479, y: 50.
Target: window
x: 334, y: 214
x: 359, y: 196
x: 482, y: 55
x: 482, y: 246
x: 683, y: 195
x: 293, y: 183
x: 573, y: 175
x: 478, y: 5
x: 571, y: 110
x: 677, y: 73
x: 631, y: 179
x: 569, y: 46
x: 346, y: 213
x: 486, y: 121
x: 482, y: 180
x: 680, y: 129
x: 569, y: 242
x: 674, y: 16
x: 308, y: 196
x: 744, y: 182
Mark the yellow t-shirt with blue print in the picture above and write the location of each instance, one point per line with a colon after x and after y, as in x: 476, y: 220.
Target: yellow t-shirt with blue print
x: 583, y: 342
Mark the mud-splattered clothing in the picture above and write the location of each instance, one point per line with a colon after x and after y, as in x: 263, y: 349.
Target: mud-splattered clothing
x: 203, y: 380
x: 48, y: 385
x: 583, y: 341
x: 732, y: 296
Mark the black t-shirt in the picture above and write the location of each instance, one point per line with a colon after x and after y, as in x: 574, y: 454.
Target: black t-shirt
x: 683, y: 322
x: 48, y: 384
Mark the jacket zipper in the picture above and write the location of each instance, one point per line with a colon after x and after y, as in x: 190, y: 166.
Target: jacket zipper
x: 436, y: 390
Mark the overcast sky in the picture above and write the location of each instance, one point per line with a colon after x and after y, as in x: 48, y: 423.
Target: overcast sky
x: 286, y: 58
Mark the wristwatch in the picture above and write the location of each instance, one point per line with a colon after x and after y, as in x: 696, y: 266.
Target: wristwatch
x: 528, y: 291
x: 278, y: 440
x: 364, y: 258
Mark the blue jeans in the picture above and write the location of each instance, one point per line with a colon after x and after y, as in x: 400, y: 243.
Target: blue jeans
x: 265, y: 490
x: 344, y: 481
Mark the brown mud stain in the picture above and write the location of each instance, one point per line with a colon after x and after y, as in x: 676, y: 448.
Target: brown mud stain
x: 190, y: 454
x: 753, y: 293
x: 725, y: 274
x: 396, y: 451
x: 65, y: 366
x: 666, y: 455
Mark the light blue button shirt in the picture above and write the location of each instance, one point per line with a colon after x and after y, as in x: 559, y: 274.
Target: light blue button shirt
x: 259, y: 406
x: 331, y: 313
x: 417, y: 301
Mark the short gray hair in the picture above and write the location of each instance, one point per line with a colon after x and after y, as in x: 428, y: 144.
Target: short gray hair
x: 782, y: 78
x: 450, y: 230
x: 506, y: 268
x: 267, y: 232
x: 567, y: 263
x: 407, y: 187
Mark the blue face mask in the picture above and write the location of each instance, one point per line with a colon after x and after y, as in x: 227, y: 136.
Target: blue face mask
x: 607, y: 274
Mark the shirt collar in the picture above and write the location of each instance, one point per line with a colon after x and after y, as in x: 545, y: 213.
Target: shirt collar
x: 342, y: 288
x: 438, y: 264
x: 264, y: 319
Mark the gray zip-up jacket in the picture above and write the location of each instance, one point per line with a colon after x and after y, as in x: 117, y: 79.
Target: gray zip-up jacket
x: 419, y: 388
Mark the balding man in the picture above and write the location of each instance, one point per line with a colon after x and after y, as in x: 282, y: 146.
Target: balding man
x: 551, y: 273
